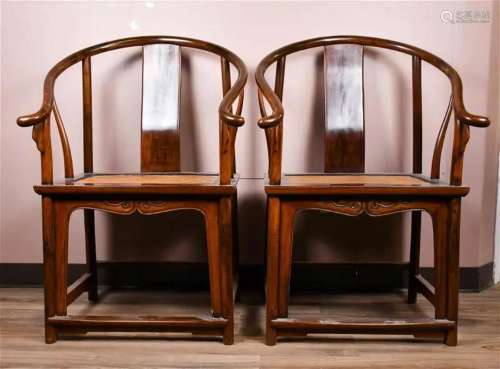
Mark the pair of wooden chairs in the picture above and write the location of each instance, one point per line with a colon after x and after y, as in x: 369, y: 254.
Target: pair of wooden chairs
x: 162, y: 187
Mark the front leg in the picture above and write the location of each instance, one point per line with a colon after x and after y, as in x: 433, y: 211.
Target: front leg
x: 287, y: 215
x: 90, y: 252
x: 272, y: 268
x: 453, y: 272
x: 49, y: 266
x: 62, y: 211
x: 226, y: 266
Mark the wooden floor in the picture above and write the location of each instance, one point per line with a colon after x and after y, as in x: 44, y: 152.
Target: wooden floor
x: 22, y: 344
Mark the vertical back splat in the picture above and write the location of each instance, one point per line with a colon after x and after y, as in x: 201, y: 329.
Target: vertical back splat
x: 344, y: 109
x: 161, y: 81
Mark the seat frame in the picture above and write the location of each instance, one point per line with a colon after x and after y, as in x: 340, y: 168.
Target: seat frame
x: 442, y: 201
x: 216, y: 202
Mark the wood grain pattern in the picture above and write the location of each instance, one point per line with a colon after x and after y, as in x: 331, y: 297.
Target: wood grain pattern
x: 438, y: 147
x: 270, y: 122
x: 416, y: 216
x: 147, y: 194
x: 158, y: 179
x: 40, y: 120
x: 354, y: 180
x: 23, y: 346
x: 443, y: 293
x: 219, y: 250
x: 374, y: 195
x: 66, y: 149
x: 344, y: 109
x: 161, y: 85
x: 417, y: 113
x: 227, y: 135
x: 88, y: 139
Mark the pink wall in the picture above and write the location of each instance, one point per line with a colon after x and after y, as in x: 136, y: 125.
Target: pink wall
x: 35, y: 35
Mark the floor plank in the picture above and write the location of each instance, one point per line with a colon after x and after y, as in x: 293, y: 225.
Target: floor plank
x: 22, y: 345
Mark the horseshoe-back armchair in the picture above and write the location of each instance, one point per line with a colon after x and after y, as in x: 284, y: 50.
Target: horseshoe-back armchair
x: 159, y: 187
x: 345, y: 189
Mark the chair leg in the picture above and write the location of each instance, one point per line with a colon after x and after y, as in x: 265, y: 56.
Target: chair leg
x: 413, y: 270
x: 453, y: 271
x: 62, y: 215
x: 272, y: 267
x: 90, y: 249
x: 236, y: 242
x: 48, y: 267
x: 226, y: 267
x: 212, y: 228
x: 440, y: 227
x: 287, y: 216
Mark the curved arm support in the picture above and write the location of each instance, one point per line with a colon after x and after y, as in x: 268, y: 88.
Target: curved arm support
x: 42, y: 116
x: 33, y: 119
x: 236, y: 91
x: 458, y: 103
x: 456, y: 84
x: 266, y: 93
x: 224, y: 108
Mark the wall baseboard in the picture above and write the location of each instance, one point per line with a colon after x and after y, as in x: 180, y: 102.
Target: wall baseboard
x: 306, y: 277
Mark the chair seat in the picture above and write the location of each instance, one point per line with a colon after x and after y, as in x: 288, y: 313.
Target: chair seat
x: 358, y: 184
x: 151, y: 183
x: 149, y: 179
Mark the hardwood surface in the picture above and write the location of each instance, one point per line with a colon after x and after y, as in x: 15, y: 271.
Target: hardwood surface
x: 150, y: 179
x: 344, y: 109
x: 22, y: 342
x: 354, y: 180
x: 214, y: 196
x: 161, y: 90
x: 363, y: 194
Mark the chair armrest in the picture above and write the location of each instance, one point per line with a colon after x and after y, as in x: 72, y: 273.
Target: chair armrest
x: 229, y: 118
x: 473, y: 120
x: 35, y: 118
x: 276, y: 117
x: 458, y: 105
x: 47, y: 104
x: 226, y: 114
x: 272, y: 120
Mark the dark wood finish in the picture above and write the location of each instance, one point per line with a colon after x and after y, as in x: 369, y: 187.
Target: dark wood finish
x: 374, y: 195
x: 425, y: 288
x: 78, y: 287
x: 414, y: 265
x: 88, y: 159
x: 88, y: 167
x: 382, y: 327
x: 213, y: 195
x: 438, y: 148
x: 417, y: 113
x: 161, y: 79
x: 209, y: 326
x: 273, y: 265
x: 319, y: 186
x: 48, y: 265
x: 225, y: 133
x: 344, y: 109
x: 416, y: 216
x: 67, y: 156
x: 453, y: 272
x: 40, y: 119
x: 460, y: 138
x: 91, y: 255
